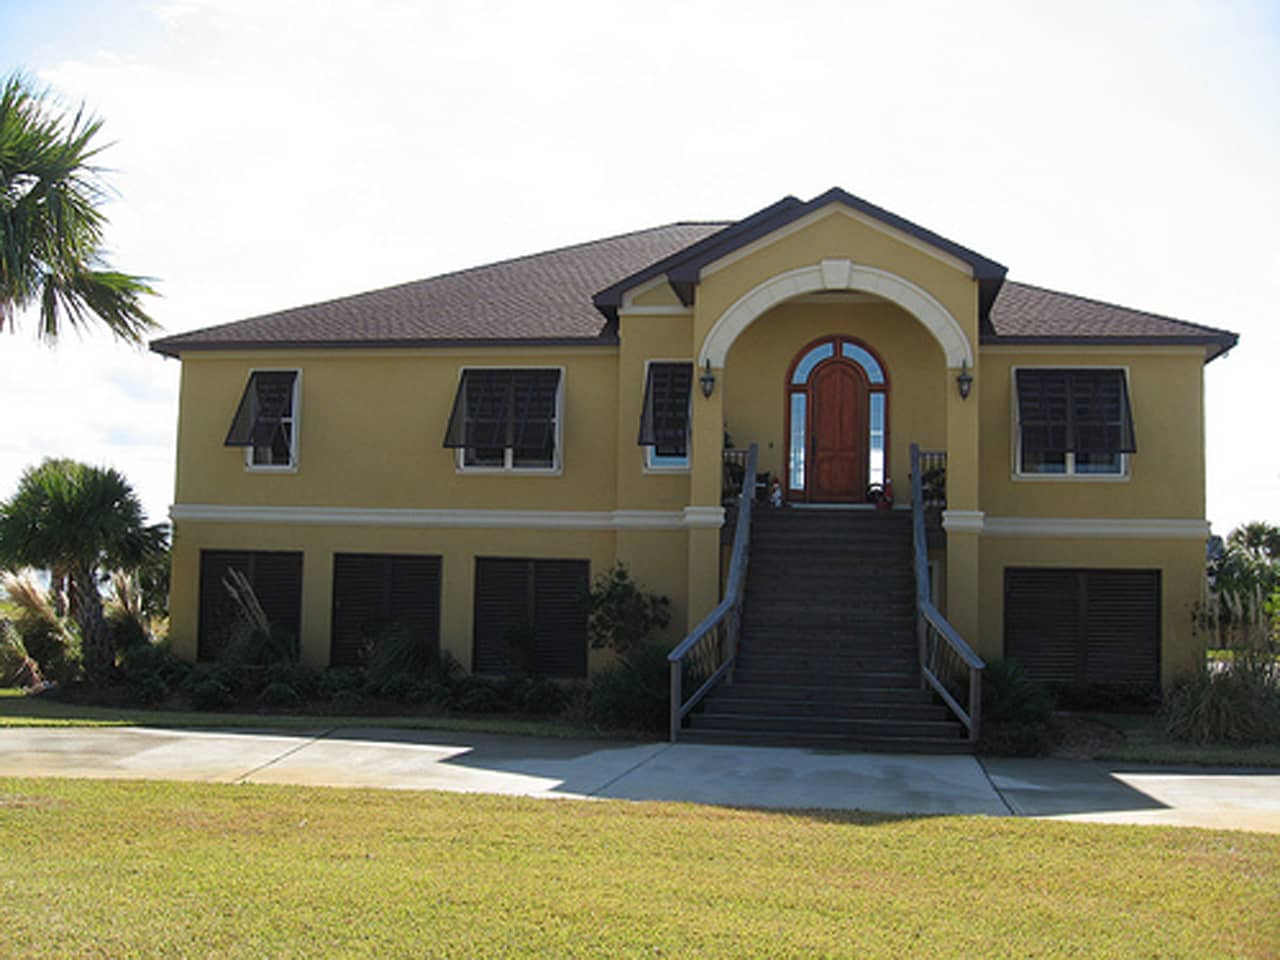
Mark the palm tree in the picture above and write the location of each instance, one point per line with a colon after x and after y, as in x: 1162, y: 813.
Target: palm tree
x: 51, y: 225
x: 85, y: 520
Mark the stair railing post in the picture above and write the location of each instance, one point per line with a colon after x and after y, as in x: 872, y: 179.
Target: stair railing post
x: 677, y: 698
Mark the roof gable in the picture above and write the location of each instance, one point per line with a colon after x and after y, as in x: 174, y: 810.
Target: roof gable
x: 684, y: 268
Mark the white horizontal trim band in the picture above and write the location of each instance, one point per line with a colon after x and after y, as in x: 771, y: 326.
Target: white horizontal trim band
x: 1133, y: 528
x: 490, y: 519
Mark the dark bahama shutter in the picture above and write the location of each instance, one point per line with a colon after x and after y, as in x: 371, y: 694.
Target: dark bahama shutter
x: 503, y: 611
x: 482, y: 408
x: 1101, y: 420
x: 560, y: 617
x: 373, y: 593
x: 1074, y: 411
x: 533, y: 428
x: 276, y: 579
x: 1043, y: 411
x: 267, y: 399
x: 664, y: 418
x: 1074, y: 628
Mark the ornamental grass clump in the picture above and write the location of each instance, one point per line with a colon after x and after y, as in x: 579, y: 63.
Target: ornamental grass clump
x: 1234, y: 701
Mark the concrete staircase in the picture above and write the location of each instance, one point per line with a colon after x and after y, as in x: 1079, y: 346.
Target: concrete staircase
x: 828, y: 649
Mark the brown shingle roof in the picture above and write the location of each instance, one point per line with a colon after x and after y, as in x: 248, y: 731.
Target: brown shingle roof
x: 547, y: 298
x: 542, y: 297
x: 1026, y: 314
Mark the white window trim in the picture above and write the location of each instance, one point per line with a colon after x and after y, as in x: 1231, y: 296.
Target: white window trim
x: 1070, y: 476
x: 294, y: 420
x: 670, y: 465
x: 509, y: 468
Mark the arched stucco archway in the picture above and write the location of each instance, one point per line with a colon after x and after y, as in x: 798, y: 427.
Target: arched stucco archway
x: 837, y: 275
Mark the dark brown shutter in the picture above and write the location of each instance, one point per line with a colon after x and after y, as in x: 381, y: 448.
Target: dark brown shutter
x: 1074, y: 411
x: 1041, y: 624
x: 531, y: 615
x: 276, y: 578
x: 664, y: 418
x: 1122, y: 628
x: 560, y: 617
x: 373, y: 593
x: 267, y: 399
x: 1076, y: 628
x: 503, y: 611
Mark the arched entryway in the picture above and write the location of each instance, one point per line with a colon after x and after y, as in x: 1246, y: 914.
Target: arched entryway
x: 837, y: 416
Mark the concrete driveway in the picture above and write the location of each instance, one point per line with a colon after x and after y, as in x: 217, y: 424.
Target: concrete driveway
x: 775, y: 778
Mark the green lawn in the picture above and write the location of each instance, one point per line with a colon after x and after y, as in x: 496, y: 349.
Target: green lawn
x: 120, y: 869
x: 17, y: 710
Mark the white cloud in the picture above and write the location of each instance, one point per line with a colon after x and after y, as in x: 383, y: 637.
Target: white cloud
x: 271, y: 154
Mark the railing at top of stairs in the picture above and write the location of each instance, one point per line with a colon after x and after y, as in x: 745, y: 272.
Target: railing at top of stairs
x: 706, y: 655
x: 947, y: 663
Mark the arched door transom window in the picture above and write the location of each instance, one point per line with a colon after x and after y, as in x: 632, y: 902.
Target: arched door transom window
x: 837, y: 422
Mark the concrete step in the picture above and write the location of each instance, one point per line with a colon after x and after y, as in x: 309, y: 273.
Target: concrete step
x: 854, y: 679
x: 824, y: 726
x: 886, y: 744
x: 768, y: 692
x: 728, y: 701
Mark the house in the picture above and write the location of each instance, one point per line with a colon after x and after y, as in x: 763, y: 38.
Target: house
x: 463, y: 453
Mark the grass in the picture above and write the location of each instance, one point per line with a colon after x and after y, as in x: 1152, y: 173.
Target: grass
x: 1146, y: 742
x: 18, y: 710
x: 119, y: 869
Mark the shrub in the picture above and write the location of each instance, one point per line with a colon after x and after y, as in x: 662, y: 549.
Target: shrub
x: 210, y: 692
x: 278, y: 695
x: 50, y: 640
x: 541, y: 696
x: 621, y: 616
x: 151, y: 673
x: 1235, y: 702
x: 634, y: 693
x: 1017, y: 714
x: 399, y: 652
x: 479, y: 695
x: 339, y: 680
x: 303, y: 679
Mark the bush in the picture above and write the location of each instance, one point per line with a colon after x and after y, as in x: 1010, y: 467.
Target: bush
x: 1236, y: 702
x: 399, y: 652
x: 478, y: 695
x: 304, y: 680
x: 1017, y: 714
x: 541, y: 696
x: 210, y: 692
x: 635, y: 693
x: 621, y: 616
x: 151, y: 673
x: 279, y: 695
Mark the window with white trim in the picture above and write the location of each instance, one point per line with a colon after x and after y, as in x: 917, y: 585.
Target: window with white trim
x: 266, y: 422
x: 507, y: 419
x: 664, y: 418
x: 1072, y: 422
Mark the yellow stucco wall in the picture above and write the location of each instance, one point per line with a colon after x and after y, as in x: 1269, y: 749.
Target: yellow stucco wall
x: 371, y: 430
x: 1166, y: 475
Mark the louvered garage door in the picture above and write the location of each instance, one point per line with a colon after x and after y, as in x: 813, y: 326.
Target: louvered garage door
x: 373, y: 593
x: 1084, y: 627
x: 276, y: 578
x: 531, y: 614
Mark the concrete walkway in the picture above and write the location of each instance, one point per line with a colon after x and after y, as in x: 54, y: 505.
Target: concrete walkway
x: 776, y: 778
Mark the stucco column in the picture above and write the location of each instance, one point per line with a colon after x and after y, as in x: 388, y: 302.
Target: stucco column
x: 963, y: 517
x: 706, y: 458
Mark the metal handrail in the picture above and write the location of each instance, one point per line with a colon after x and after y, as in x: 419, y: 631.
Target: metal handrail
x: 940, y: 645
x: 714, y: 641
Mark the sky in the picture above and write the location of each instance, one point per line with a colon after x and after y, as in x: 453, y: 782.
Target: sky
x: 271, y: 153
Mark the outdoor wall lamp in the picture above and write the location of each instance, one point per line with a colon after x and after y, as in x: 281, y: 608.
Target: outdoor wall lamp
x: 964, y: 380
x: 708, y: 381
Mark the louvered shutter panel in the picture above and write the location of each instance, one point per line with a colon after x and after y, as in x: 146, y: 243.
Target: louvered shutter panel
x: 560, y: 617
x: 503, y: 608
x: 1122, y: 628
x: 277, y: 581
x: 1042, y: 624
x: 217, y: 609
x: 267, y: 399
x: 276, y: 578
x: 374, y: 592
x: 1044, y: 411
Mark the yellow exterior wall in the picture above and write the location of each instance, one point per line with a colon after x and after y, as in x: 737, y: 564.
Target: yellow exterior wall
x: 1181, y: 566
x: 1166, y: 475
x: 371, y: 430
x: 755, y: 377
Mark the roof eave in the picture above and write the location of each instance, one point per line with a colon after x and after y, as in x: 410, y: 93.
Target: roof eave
x: 1214, y: 346
x: 171, y: 348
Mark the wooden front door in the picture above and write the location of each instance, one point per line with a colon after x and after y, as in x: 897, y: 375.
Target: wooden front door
x: 838, y: 433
